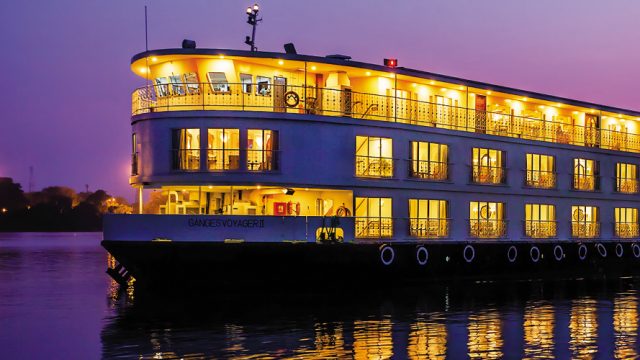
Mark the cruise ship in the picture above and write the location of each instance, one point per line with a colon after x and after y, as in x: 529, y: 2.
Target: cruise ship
x: 276, y: 168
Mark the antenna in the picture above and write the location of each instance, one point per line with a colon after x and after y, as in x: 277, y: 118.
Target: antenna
x: 146, y: 32
x: 252, y: 13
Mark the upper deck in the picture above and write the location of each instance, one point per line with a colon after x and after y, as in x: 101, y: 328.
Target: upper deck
x: 211, y: 79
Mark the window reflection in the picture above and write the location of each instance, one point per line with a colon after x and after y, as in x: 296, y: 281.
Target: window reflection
x: 625, y: 326
x: 372, y: 339
x: 583, y: 329
x: 485, y: 335
x: 538, y: 327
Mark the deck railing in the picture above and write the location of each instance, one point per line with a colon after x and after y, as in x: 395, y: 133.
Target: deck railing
x: 374, y: 166
x: 626, y: 230
x: 374, y: 227
x: 585, y: 182
x: 185, y: 159
x: 223, y: 159
x: 487, y: 228
x: 540, y: 229
x: 488, y: 174
x: 429, y: 170
x: 627, y: 185
x: 585, y: 230
x: 540, y: 179
x: 348, y: 103
x: 429, y: 228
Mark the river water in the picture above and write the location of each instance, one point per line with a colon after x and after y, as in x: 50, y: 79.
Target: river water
x: 56, y: 302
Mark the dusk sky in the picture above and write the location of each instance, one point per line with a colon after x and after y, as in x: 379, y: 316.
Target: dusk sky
x: 65, y: 104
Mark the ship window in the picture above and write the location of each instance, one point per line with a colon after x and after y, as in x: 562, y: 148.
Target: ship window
x: 540, y: 220
x: 428, y: 218
x: 374, y: 156
x: 162, y: 87
x: 373, y: 217
x: 626, y: 221
x: 541, y: 171
x: 177, y: 87
x: 626, y: 178
x: 429, y: 160
x: 134, y: 154
x: 186, y: 149
x: 263, y: 86
x: 585, y: 174
x: 218, y: 81
x: 487, y: 219
x: 584, y: 222
x: 262, y: 150
x: 223, y: 149
x: 246, y: 81
x: 191, y: 79
x: 488, y: 166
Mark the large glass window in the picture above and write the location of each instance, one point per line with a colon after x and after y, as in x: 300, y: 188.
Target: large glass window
x: 186, y: 149
x: 540, y: 220
x: 262, y: 150
x: 374, y: 156
x: 218, y: 81
x: 223, y: 149
x: 246, y: 80
x: 487, y: 219
x: 191, y: 80
x: 585, y: 222
x: 177, y: 87
x: 162, y: 87
x: 429, y: 160
x: 541, y: 171
x: 428, y: 218
x: 488, y: 166
x: 373, y: 217
x: 134, y: 154
x: 626, y: 178
x: 263, y: 85
x: 585, y: 174
x: 626, y: 221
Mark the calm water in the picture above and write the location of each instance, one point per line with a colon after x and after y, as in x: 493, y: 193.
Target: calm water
x: 56, y: 302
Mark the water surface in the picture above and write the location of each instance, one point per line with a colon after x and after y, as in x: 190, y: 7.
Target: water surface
x: 56, y: 302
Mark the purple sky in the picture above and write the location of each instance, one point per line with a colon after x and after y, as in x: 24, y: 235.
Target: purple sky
x: 65, y: 103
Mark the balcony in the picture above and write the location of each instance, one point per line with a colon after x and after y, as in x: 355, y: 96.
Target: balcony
x: 488, y: 174
x: 626, y: 230
x: 627, y: 185
x: 374, y: 166
x: 487, y: 229
x: 429, y: 228
x: 540, y: 229
x: 347, y: 103
x: 540, y: 179
x: 585, y: 230
x: 225, y: 160
x: 429, y: 170
x: 585, y: 182
x: 374, y: 227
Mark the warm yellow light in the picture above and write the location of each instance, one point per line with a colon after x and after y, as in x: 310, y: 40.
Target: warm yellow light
x: 4, y: 210
x: 559, y: 105
x: 210, y: 187
x: 524, y: 99
x: 414, y: 84
x: 508, y: 100
x: 489, y: 92
x: 592, y: 111
x: 472, y: 95
x: 143, y: 70
x: 432, y: 82
x: 313, y: 68
x: 280, y: 62
x: 368, y: 73
x: 461, y: 88
x: 258, y: 187
x: 575, y: 113
x: 443, y: 89
x: 619, y: 116
x: 154, y: 59
x: 306, y: 189
x: 221, y: 56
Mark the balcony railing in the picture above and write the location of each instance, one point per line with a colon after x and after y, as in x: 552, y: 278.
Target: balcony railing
x: 223, y: 159
x: 134, y: 164
x: 374, y: 166
x: 627, y: 230
x: 186, y: 159
x: 333, y: 102
x: 585, y: 230
x: 488, y: 174
x: 487, y: 229
x: 429, y: 170
x: 586, y: 182
x: 627, y: 185
x: 540, y: 179
x: 263, y: 160
x: 429, y: 228
x: 374, y: 227
x: 540, y: 229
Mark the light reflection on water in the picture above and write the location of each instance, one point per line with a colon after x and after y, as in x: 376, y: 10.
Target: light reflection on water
x: 57, y: 302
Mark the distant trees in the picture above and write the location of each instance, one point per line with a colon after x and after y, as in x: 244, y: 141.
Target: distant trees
x: 55, y: 208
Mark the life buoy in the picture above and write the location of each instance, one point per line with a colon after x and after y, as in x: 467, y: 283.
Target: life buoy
x: 512, y: 253
x: 635, y: 248
x: 582, y: 251
x: 422, y: 255
x: 558, y: 252
x: 387, y: 255
x: 619, y: 250
x: 534, y: 253
x: 291, y: 98
x: 469, y: 253
x: 601, y: 250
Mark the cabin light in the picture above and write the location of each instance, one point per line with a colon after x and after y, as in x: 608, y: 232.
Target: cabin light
x: 280, y: 62
x: 210, y: 187
x: 368, y: 73
x: 288, y: 191
x: 143, y: 70
x: 4, y: 210
x: 258, y: 187
x: 524, y: 99
x: 184, y: 190
x: 313, y: 68
x: 592, y: 111
x: 154, y: 59
x: 559, y: 105
x: 619, y: 116
x: 575, y: 113
x: 221, y: 56
x: 508, y: 100
x: 414, y: 84
x: 472, y: 95
x: 541, y: 106
x: 432, y: 82
x: 461, y: 88
x: 489, y: 92
x: 306, y: 189
x: 443, y: 89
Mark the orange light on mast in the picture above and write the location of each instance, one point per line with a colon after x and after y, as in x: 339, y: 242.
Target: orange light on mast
x: 391, y: 62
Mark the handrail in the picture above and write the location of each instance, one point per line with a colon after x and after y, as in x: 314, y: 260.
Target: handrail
x: 341, y: 103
